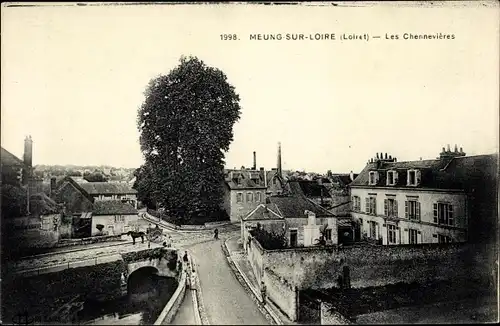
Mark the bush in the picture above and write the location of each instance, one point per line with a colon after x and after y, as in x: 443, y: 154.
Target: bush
x: 269, y: 240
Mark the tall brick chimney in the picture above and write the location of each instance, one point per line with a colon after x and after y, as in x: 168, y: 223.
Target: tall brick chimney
x: 254, y: 161
x: 28, y: 151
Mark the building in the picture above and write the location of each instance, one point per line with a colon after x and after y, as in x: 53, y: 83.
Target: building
x: 426, y: 201
x: 301, y: 221
x: 244, y: 191
x: 102, y: 191
x: 115, y: 216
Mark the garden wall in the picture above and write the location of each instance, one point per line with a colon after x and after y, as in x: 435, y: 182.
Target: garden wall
x: 370, y: 265
x: 282, y: 293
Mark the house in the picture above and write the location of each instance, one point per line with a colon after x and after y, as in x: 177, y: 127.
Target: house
x: 448, y: 199
x: 74, y: 197
x: 115, y: 216
x: 299, y: 219
x: 102, y: 191
x: 244, y: 191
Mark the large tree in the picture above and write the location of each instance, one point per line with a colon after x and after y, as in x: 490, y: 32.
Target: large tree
x: 186, y: 126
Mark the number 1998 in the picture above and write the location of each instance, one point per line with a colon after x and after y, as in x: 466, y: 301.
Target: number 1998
x: 228, y: 37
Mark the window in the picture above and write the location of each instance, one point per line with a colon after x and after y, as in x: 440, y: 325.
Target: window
x: 390, y: 207
x: 392, y: 178
x: 443, y: 213
x: 328, y: 235
x: 356, y: 203
x: 412, y: 210
x: 371, y: 205
x: 412, y: 234
x: 373, y: 178
x: 258, y: 197
x: 391, y: 233
x: 249, y: 197
x: 119, y: 218
x: 444, y: 238
x: 293, y: 238
x: 239, y: 197
x: 373, y: 230
x: 413, y: 178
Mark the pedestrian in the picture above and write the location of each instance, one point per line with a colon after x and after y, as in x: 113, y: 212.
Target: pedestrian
x: 263, y: 292
x: 164, y: 243
x: 185, y: 258
x: 216, y: 234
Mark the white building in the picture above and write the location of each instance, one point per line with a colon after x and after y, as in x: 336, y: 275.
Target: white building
x: 425, y: 201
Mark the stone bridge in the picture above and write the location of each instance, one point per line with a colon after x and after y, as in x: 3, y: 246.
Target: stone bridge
x: 163, y: 260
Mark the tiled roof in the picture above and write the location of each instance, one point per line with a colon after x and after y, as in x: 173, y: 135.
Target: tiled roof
x: 245, y: 177
x: 313, y: 189
x: 271, y: 174
x: 295, y: 206
x: 113, y: 207
x: 456, y: 173
x: 107, y: 188
x: 7, y: 158
x: 264, y: 212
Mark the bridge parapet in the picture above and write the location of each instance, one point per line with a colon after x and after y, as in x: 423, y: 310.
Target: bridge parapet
x: 163, y: 259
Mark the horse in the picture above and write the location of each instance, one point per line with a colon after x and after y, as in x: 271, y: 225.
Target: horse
x: 135, y: 235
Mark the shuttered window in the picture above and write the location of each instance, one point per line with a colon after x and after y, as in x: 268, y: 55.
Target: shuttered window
x: 412, y: 210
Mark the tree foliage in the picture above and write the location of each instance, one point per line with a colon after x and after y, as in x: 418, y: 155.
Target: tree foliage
x: 186, y: 125
x: 269, y: 240
x: 95, y: 177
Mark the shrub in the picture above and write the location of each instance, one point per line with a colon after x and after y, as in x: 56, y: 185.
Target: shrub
x: 269, y: 240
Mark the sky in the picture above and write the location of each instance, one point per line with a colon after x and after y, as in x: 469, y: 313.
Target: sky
x: 73, y: 78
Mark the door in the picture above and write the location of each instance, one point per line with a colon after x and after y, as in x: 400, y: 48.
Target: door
x: 293, y: 238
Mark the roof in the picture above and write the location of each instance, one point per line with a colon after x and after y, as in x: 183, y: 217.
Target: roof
x: 295, y: 206
x: 458, y: 173
x: 7, y: 158
x: 313, y: 189
x: 107, y: 188
x: 71, y: 181
x: 264, y: 212
x: 247, y: 179
x: 113, y: 207
x: 294, y: 188
x: 270, y: 175
x: 41, y: 204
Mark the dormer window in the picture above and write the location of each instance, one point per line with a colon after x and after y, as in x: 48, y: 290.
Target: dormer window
x: 413, y: 177
x: 392, y: 177
x: 373, y: 178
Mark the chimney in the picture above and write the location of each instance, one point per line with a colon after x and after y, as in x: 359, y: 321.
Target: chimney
x: 279, y: 160
x: 52, y: 186
x: 456, y: 148
x: 443, y: 150
x: 448, y: 148
x: 28, y: 151
x: 377, y: 155
x: 461, y: 151
x: 351, y: 175
x: 386, y: 156
x: 254, y: 161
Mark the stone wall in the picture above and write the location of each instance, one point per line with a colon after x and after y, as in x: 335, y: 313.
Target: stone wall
x: 256, y: 256
x: 369, y: 265
x: 331, y: 317
x: 42, y: 295
x: 281, y: 292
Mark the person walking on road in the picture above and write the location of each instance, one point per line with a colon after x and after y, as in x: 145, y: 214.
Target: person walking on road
x: 263, y: 292
x: 216, y: 234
